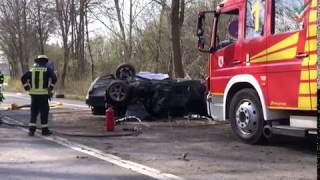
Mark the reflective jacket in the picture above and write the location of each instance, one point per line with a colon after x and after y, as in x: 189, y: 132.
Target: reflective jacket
x: 39, y: 79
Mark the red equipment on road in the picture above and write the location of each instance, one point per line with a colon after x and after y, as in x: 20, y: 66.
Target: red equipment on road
x: 109, y: 120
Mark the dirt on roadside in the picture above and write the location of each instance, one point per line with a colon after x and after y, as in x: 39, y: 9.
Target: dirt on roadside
x: 193, y: 149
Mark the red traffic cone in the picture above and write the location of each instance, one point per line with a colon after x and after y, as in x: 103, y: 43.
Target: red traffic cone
x: 109, y: 119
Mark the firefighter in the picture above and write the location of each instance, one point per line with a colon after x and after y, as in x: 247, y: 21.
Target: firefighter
x: 1, y: 83
x: 1, y: 78
x: 39, y: 81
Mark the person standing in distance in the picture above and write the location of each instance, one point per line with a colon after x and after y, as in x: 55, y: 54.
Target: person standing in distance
x: 39, y: 81
x: 50, y: 64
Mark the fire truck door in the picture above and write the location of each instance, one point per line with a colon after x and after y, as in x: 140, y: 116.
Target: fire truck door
x: 224, y: 62
x: 255, y: 41
x: 311, y: 50
x: 288, y: 75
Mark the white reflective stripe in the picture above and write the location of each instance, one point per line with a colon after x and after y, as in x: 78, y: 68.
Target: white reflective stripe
x: 32, y: 124
x: 26, y: 84
x: 44, y: 125
x: 52, y: 85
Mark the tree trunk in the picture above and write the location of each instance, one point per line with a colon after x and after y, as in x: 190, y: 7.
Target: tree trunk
x: 65, y: 63
x: 129, y: 53
x: 159, y: 37
x: 126, y: 49
x: 25, y: 38
x: 81, y: 37
x: 40, y: 30
x: 88, y: 44
x: 177, y: 15
x: 19, y: 48
x: 63, y: 18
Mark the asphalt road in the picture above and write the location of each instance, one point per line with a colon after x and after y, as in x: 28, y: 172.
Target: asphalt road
x: 212, y: 152
x: 24, y: 157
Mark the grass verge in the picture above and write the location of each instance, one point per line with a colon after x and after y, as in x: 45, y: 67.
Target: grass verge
x: 13, y: 85
x: 74, y: 89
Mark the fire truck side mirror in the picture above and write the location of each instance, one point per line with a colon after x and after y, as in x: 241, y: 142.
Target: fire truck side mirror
x: 202, y: 46
x: 200, y: 31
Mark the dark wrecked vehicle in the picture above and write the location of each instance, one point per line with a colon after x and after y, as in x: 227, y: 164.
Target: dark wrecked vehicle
x: 157, y: 93
x: 96, y: 94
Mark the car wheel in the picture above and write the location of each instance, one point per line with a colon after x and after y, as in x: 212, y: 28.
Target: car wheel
x: 117, y: 93
x: 246, y: 116
x: 98, y: 110
x: 125, y: 72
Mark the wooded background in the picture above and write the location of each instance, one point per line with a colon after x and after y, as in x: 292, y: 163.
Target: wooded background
x: 152, y: 35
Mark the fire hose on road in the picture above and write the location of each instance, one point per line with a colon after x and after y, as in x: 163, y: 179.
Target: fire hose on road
x: 5, y: 120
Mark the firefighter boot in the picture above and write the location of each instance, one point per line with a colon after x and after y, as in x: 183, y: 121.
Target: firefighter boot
x: 32, y: 129
x: 46, y: 131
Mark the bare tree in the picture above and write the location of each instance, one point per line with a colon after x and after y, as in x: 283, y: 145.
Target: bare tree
x: 80, y: 51
x: 164, y: 9
x: 88, y: 41
x: 17, y: 31
x: 120, y: 23
x: 127, y: 45
x: 177, y: 18
x: 63, y: 9
x: 43, y: 15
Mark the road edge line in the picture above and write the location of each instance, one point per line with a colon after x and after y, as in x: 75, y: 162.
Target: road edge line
x: 116, y: 160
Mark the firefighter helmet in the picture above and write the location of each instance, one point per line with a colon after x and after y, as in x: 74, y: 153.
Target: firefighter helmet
x: 41, y: 59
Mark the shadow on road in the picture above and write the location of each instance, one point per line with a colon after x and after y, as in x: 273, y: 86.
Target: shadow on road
x: 305, y: 145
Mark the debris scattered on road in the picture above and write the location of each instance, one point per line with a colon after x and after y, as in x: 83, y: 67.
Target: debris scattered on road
x: 134, y: 129
x: 137, y: 110
x: 184, y: 157
x: 82, y: 157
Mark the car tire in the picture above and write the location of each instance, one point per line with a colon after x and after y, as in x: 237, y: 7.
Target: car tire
x: 98, y: 110
x: 125, y: 72
x: 117, y: 93
x: 246, y: 116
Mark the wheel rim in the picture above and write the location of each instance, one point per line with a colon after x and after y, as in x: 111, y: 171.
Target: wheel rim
x: 247, y: 118
x: 117, y: 93
x: 125, y: 73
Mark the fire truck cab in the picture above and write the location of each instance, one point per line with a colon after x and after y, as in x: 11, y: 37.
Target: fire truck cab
x: 262, y: 66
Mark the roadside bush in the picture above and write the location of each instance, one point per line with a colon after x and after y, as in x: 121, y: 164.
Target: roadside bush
x: 13, y: 85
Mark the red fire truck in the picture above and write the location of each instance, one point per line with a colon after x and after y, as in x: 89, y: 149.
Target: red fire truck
x: 262, y: 66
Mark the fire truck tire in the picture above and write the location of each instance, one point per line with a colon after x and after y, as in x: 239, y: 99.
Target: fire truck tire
x: 246, y: 116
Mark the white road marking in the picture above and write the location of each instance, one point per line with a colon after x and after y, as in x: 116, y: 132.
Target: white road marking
x: 136, y: 167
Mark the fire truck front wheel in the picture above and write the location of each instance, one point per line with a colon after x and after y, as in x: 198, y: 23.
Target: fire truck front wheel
x: 246, y: 117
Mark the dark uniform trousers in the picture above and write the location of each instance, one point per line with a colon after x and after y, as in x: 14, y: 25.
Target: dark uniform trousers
x: 39, y: 104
